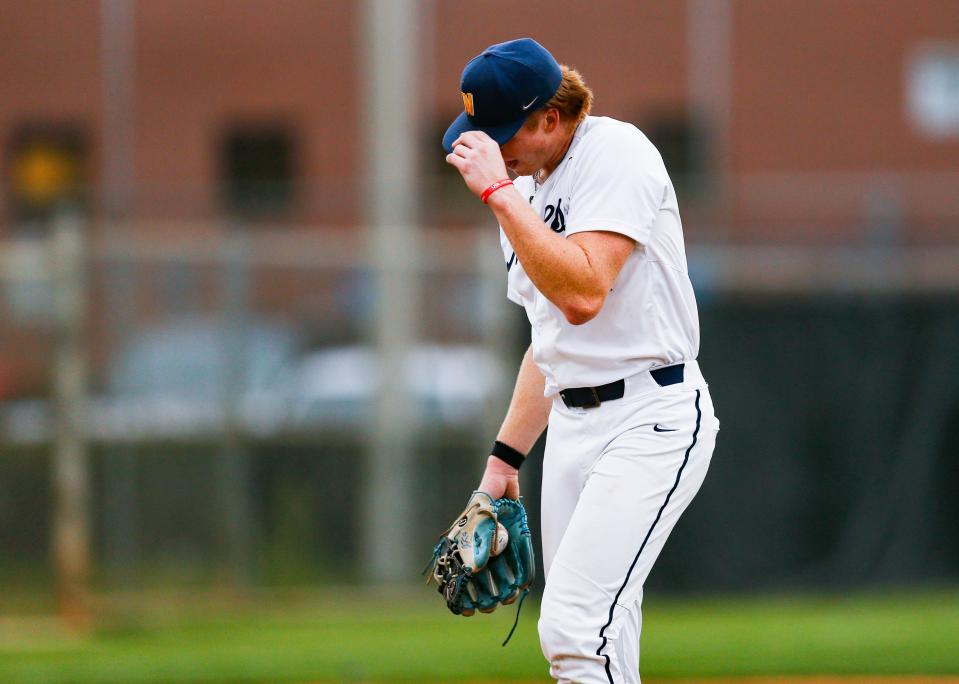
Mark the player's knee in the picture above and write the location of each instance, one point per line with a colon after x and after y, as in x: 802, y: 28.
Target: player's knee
x: 557, y: 628
x: 567, y: 646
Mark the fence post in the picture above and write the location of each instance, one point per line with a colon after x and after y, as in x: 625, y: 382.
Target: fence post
x: 237, y: 523
x: 389, y: 483
x: 71, y: 480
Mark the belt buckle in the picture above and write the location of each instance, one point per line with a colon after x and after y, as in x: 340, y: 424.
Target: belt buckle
x: 596, y: 400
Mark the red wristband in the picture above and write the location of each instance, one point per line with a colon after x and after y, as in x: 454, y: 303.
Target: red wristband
x: 494, y: 187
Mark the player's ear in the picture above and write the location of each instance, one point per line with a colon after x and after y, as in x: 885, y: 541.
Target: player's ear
x: 550, y: 119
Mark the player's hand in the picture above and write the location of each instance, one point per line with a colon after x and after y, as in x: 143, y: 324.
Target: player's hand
x: 500, y: 480
x: 478, y: 159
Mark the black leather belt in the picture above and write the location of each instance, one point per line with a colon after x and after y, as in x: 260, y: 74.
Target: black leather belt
x: 591, y: 397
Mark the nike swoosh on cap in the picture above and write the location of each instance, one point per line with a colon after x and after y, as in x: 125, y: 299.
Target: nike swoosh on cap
x: 530, y: 103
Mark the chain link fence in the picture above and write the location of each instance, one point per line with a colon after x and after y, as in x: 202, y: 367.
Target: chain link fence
x: 194, y: 408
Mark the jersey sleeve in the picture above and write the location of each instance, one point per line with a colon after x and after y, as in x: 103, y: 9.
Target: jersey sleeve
x: 620, y: 184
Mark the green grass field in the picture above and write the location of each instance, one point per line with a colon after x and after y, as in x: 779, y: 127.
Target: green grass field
x: 339, y: 638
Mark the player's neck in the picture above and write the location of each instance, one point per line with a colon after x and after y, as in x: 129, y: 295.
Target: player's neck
x: 556, y: 159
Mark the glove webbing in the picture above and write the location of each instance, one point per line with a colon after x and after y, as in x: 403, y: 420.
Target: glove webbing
x: 519, y: 605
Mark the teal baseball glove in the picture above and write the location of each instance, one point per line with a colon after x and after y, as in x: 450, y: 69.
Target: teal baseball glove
x: 485, y: 558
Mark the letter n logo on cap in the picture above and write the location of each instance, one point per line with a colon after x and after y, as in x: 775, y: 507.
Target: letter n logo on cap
x: 468, y: 103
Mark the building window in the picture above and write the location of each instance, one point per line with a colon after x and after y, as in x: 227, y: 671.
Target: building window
x: 445, y: 200
x: 46, y: 172
x: 257, y: 172
x: 682, y: 143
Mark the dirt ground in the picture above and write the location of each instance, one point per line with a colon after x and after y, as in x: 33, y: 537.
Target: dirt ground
x: 862, y: 679
x: 812, y: 679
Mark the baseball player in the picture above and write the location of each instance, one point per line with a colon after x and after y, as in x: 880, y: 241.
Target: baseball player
x: 593, y: 245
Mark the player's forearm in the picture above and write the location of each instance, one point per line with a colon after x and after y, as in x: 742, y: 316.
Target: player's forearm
x: 528, y: 411
x: 559, y: 268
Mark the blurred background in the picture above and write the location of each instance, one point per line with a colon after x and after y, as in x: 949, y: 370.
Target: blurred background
x: 254, y: 332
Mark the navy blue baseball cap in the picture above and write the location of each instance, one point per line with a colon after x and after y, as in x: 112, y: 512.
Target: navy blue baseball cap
x: 502, y: 86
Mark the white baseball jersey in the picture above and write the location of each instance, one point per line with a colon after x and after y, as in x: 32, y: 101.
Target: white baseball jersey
x: 611, y: 179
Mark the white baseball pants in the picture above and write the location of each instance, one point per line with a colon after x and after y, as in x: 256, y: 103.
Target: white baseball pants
x: 616, y: 479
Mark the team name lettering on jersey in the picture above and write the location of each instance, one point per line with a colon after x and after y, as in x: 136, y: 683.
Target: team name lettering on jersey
x: 554, y: 217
